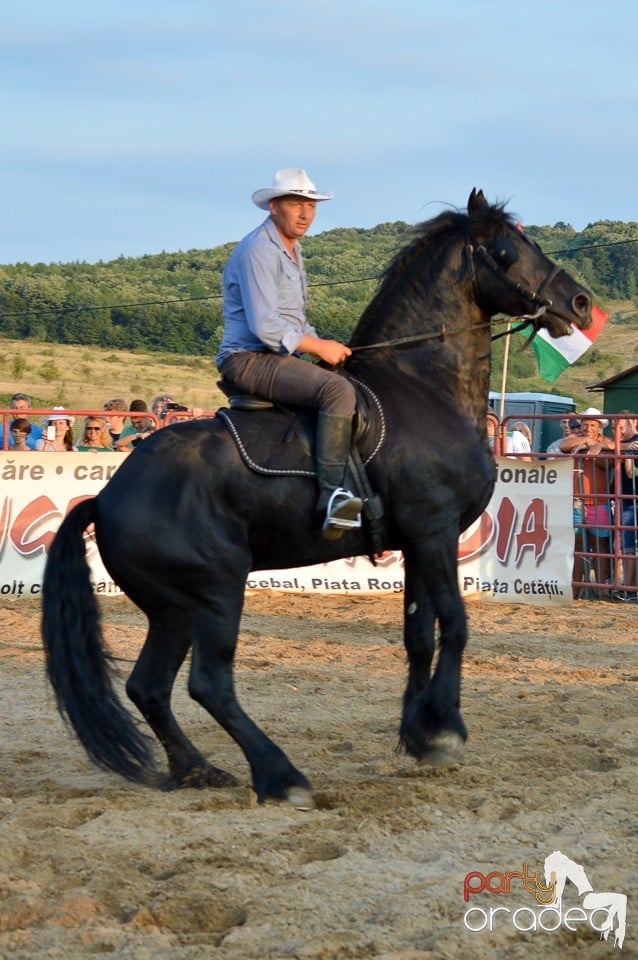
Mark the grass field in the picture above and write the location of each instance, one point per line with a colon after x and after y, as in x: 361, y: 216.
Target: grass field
x: 84, y: 377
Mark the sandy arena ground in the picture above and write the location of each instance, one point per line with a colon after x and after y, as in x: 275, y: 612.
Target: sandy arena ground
x: 92, y: 865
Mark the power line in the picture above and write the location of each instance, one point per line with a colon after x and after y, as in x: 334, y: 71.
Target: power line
x: 217, y: 296
x: 588, y: 246
x: 109, y: 306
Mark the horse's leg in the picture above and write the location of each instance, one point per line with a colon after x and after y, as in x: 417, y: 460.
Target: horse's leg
x: 150, y: 686
x: 418, y: 638
x: 215, y: 629
x: 432, y: 728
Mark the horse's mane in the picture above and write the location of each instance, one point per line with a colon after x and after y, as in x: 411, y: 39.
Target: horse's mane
x: 427, y: 240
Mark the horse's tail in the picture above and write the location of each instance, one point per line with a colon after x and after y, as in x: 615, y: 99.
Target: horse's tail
x: 77, y: 665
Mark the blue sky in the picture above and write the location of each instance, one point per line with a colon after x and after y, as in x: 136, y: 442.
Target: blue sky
x: 132, y: 127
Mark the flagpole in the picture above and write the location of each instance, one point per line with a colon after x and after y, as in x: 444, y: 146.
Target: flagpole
x: 506, y: 356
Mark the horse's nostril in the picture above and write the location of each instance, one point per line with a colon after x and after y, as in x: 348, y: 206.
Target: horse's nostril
x: 581, y: 304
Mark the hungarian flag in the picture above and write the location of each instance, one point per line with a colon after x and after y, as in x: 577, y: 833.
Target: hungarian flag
x: 554, y: 355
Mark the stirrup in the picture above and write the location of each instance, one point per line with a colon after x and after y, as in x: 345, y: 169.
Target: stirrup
x: 342, y: 513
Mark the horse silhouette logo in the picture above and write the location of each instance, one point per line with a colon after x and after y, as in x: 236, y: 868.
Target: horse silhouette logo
x: 559, y: 869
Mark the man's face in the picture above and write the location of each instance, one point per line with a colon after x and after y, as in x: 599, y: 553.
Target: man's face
x: 115, y: 419
x: 292, y: 215
x: 19, y: 404
x: 591, y: 429
x: 627, y: 428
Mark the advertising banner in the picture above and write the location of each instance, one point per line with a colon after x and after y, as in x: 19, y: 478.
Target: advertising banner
x: 37, y: 490
x: 519, y: 550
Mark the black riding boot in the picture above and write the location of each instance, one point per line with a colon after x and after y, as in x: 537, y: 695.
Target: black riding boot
x: 341, y: 507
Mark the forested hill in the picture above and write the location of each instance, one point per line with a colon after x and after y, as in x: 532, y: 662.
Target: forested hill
x: 172, y: 301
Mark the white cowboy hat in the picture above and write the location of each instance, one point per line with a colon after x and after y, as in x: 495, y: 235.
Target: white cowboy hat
x: 593, y: 412
x: 291, y: 181
x: 59, y: 416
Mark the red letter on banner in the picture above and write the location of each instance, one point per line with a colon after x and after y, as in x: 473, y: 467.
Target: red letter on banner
x: 36, y: 511
x: 505, y: 517
x: 533, y: 532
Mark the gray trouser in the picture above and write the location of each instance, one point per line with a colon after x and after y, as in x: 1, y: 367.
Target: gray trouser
x: 290, y: 380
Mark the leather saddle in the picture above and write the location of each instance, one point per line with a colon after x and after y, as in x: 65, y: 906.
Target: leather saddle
x: 241, y: 399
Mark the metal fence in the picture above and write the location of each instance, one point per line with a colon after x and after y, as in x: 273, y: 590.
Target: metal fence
x: 605, y: 509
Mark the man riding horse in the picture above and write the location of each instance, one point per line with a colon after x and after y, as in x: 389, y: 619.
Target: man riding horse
x: 266, y: 331
x: 184, y: 520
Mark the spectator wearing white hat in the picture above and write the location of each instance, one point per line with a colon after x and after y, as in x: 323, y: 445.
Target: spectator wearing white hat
x: 58, y: 435
x: 266, y: 332
x: 591, y: 438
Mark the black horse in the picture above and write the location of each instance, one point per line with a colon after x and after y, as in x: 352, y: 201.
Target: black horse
x: 184, y: 520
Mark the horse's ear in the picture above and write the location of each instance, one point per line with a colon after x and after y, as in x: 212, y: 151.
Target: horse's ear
x: 477, y: 200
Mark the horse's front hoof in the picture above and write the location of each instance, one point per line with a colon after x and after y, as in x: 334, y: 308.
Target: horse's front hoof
x: 301, y: 798
x: 444, y: 752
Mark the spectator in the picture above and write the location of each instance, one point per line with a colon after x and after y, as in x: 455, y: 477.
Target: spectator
x: 138, y: 429
x: 164, y: 404
x: 570, y: 428
x: 20, y: 430
x: 628, y: 428
x: 519, y: 442
x: 117, y: 415
x: 492, y: 426
x: 59, y: 435
x: 590, y: 438
x: 592, y: 516
x: 96, y: 436
x: 20, y: 403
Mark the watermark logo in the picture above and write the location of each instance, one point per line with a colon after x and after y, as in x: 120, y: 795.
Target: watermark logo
x: 603, y: 911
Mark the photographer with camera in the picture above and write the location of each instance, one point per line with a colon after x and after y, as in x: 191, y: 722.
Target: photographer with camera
x: 164, y: 404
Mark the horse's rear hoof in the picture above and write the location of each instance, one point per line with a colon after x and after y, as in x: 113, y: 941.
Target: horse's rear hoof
x: 445, y: 752
x: 301, y: 798
x: 199, y: 777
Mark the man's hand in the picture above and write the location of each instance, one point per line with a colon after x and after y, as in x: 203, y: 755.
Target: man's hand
x: 330, y: 351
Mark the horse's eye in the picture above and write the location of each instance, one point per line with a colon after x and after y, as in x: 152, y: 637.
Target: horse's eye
x: 506, y: 253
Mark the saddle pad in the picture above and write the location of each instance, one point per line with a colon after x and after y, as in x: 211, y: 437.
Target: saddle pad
x: 280, y: 440
x: 274, y: 441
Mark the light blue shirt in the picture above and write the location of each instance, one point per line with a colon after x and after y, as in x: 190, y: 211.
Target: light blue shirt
x: 265, y: 291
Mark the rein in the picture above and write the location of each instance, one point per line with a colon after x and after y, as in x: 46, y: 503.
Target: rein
x: 439, y: 334
x: 535, y: 297
x: 443, y: 332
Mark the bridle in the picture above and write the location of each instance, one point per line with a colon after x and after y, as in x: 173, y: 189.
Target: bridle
x: 534, y: 297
